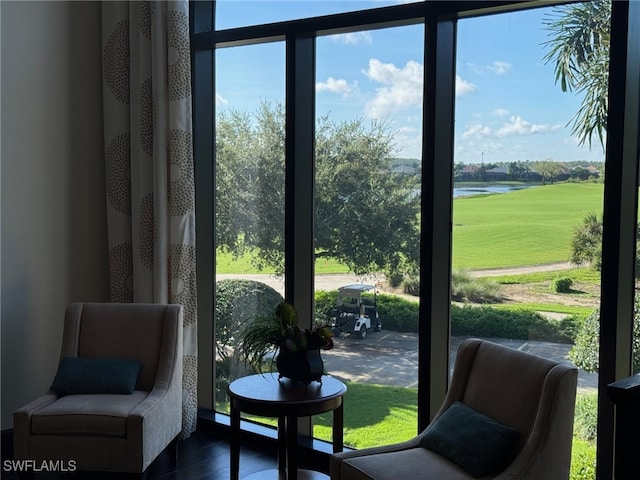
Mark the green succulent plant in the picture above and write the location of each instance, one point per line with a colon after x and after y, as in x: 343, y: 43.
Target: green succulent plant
x: 280, y: 331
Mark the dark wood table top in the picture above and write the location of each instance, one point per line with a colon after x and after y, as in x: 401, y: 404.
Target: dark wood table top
x: 275, y: 397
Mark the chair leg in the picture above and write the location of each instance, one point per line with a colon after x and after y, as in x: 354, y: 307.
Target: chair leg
x: 173, y: 450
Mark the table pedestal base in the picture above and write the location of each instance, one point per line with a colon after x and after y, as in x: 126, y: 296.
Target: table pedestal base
x: 276, y: 474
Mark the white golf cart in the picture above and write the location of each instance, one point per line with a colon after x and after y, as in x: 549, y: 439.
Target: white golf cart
x: 353, y: 313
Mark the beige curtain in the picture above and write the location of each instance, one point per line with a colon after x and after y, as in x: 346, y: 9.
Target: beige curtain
x: 149, y: 164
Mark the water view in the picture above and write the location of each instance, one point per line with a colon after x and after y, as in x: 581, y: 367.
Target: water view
x: 484, y: 189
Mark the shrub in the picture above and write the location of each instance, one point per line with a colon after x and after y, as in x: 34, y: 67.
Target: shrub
x: 583, y: 461
x: 586, y: 417
x: 325, y: 303
x: 561, y: 285
x: 397, y: 313
x: 518, y: 323
x: 465, y: 287
x: 394, y: 279
x: 411, y: 286
x: 237, y: 302
x: 584, y: 353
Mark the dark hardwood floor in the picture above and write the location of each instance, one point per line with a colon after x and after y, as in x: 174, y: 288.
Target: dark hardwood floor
x: 205, y: 455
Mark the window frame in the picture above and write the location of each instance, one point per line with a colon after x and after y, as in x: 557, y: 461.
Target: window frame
x: 621, y: 182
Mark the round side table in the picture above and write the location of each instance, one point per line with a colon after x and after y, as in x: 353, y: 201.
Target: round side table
x: 266, y: 395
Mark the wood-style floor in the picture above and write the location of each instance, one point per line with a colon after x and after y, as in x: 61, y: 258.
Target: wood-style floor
x: 205, y: 455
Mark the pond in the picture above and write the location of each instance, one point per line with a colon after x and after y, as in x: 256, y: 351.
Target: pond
x: 484, y: 189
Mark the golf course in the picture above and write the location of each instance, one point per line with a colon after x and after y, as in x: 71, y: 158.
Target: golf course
x: 531, y: 226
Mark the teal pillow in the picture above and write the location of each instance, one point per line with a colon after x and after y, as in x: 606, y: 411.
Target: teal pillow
x: 475, y: 442
x: 90, y: 375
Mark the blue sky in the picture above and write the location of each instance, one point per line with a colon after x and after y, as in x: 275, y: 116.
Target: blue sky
x: 508, y: 107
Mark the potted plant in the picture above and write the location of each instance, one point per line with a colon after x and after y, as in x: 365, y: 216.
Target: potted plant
x: 297, y: 350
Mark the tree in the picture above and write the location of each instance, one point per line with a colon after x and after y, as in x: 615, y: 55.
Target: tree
x: 586, y: 244
x: 579, y: 47
x: 584, y: 353
x: 366, y: 216
x: 250, y: 183
x: 548, y: 170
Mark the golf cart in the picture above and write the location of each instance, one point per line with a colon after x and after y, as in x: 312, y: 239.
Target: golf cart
x: 353, y: 313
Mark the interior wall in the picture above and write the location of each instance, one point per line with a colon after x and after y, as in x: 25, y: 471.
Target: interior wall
x: 53, y: 220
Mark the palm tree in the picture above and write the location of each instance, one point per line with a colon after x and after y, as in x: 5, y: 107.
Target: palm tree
x: 586, y: 244
x: 579, y: 47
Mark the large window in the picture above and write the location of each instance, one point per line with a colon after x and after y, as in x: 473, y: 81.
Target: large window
x: 323, y: 125
x: 367, y: 210
x: 241, y: 13
x: 249, y: 198
x: 528, y: 198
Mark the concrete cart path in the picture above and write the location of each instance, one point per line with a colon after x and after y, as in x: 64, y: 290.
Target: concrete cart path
x: 334, y: 281
x: 391, y: 358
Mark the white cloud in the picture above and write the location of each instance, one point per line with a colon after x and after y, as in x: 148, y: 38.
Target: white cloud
x: 220, y: 100
x: 403, y: 87
x: 519, y: 126
x: 501, y: 112
x: 516, y: 126
x: 408, y: 142
x: 354, y: 38
x: 477, y: 130
x: 463, y: 87
x: 499, y: 67
x: 334, y: 85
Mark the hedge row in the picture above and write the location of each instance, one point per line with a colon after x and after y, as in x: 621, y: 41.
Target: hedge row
x: 400, y: 314
x: 397, y: 313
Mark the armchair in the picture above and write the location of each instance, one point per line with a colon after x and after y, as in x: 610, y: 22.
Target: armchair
x: 526, y: 393
x: 111, y: 431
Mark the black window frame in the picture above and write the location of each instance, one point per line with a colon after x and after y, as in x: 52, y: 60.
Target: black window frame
x: 440, y: 19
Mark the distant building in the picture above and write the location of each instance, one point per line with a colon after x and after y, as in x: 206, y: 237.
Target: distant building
x: 497, y: 174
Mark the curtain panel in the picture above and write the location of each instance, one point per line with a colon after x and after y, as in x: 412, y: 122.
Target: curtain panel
x: 149, y: 165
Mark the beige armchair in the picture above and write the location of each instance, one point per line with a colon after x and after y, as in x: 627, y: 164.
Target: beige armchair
x: 108, y: 431
x: 523, y: 392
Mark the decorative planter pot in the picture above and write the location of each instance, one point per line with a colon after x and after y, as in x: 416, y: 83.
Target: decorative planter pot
x: 303, y: 366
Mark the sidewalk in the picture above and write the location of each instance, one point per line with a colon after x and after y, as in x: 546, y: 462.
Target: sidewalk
x: 391, y: 358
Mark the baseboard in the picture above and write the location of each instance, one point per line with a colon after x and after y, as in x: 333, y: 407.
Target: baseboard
x: 6, y: 440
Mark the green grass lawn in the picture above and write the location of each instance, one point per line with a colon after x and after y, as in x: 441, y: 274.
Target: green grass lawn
x: 525, y: 227
x: 380, y: 415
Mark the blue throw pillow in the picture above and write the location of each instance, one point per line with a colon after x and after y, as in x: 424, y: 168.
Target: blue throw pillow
x: 472, y: 440
x: 89, y: 375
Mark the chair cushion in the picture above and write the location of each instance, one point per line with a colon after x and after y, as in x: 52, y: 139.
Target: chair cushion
x: 412, y: 463
x: 77, y: 375
x: 477, y: 443
x: 89, y: 414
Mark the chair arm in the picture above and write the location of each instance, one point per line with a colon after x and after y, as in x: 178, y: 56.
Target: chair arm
x: 156, y: 421
x: 22, y: 423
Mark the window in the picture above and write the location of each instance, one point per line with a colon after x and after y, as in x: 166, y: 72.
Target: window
x: 249, y: 198
x: 475, y: 136
x: 367, y: 210
x: 526, y: 196
x: 241, y: 13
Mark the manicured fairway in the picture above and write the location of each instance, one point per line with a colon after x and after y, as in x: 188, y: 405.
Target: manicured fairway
x: 525, y: 227
x: 533, y: 226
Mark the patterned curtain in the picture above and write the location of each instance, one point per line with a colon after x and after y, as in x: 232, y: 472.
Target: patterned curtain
x: 149, y: 164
